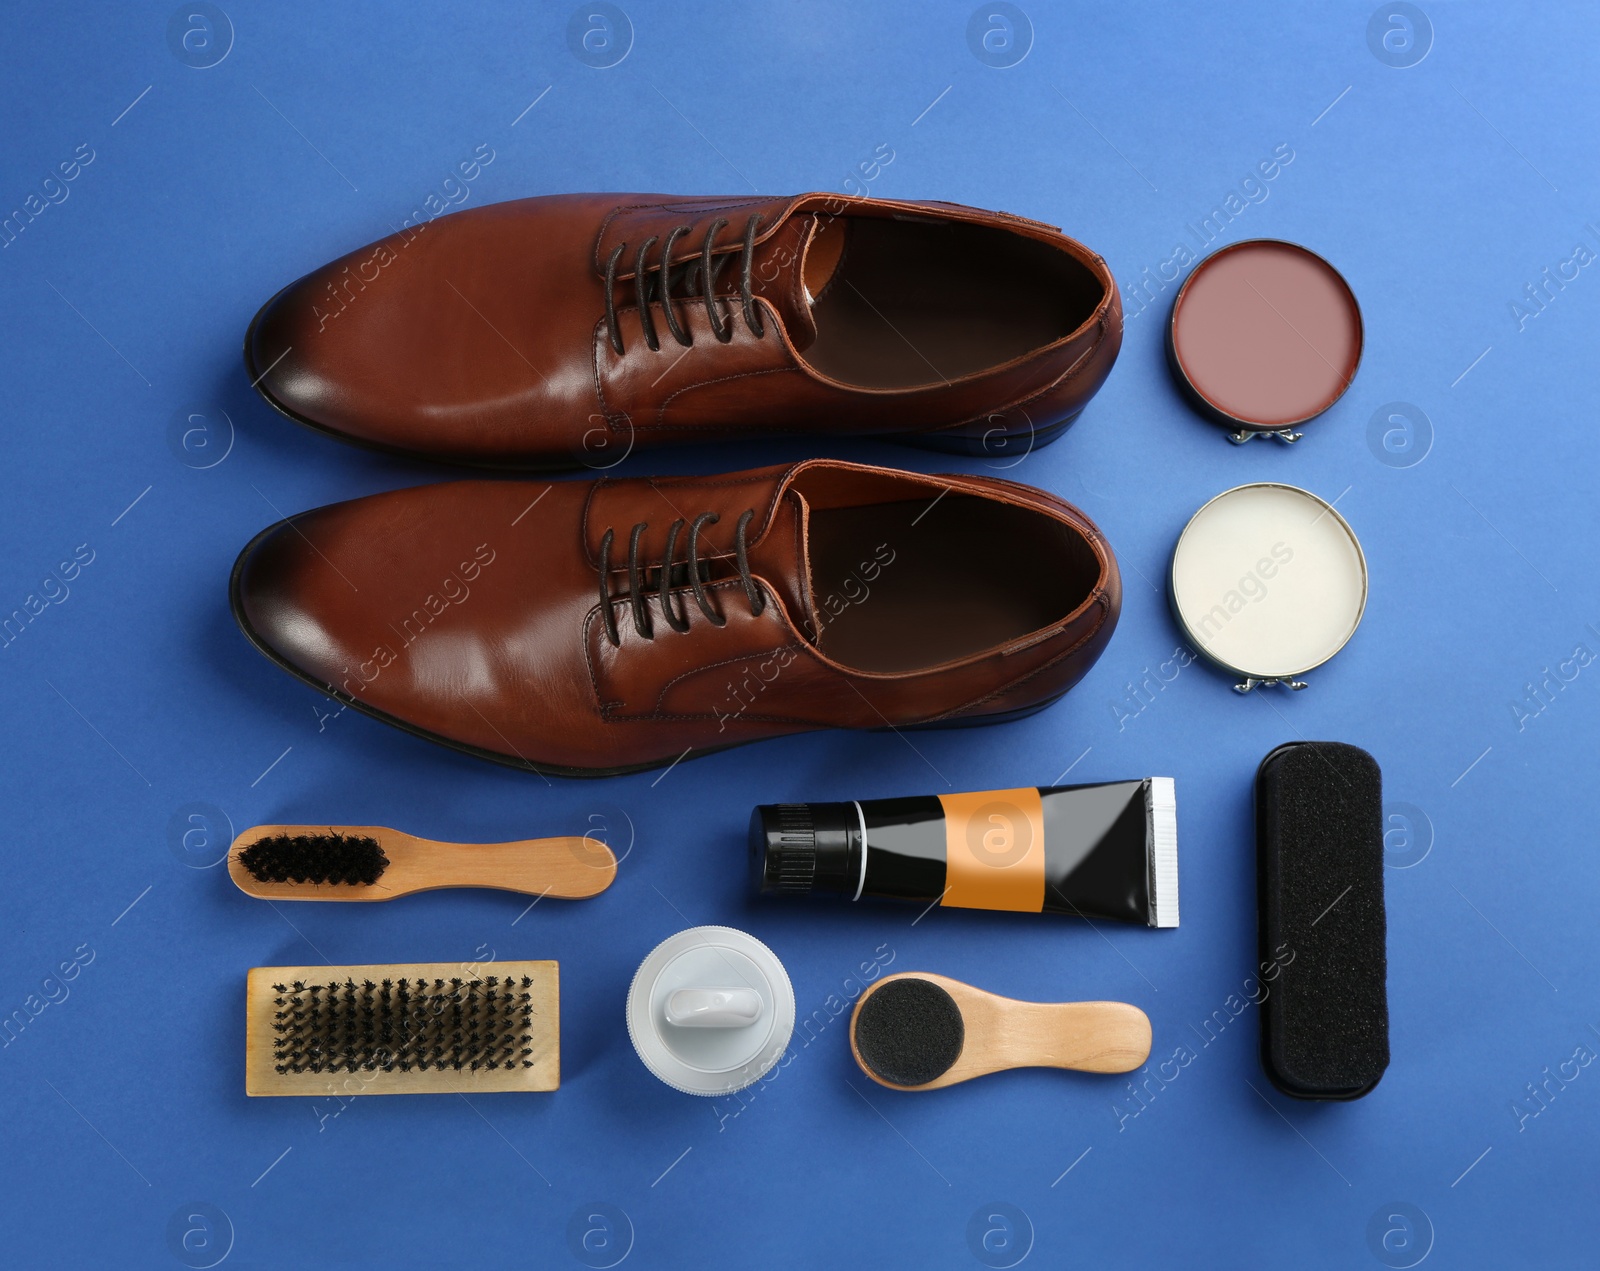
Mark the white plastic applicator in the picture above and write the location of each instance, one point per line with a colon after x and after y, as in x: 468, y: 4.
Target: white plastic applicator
x: 710, y: 1010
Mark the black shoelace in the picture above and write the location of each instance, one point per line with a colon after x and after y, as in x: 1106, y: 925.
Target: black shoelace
x: 637, y: 592
x: 662, y: 274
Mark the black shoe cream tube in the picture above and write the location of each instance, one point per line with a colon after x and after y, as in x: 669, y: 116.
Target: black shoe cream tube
x: 1095, y: 851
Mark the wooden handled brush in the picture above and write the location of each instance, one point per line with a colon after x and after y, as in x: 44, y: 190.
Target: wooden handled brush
x: 372, y: 862
x: 913, y: 1031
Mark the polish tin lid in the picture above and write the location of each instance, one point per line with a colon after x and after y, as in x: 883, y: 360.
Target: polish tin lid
x: 1268, y: 581
x: 1264, y: 335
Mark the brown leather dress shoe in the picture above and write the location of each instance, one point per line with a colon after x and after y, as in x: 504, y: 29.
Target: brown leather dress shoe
x: 586, y: 628
x: 570, y: 330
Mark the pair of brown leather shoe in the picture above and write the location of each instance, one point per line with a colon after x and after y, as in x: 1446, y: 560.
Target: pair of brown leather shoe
x: 606, y: 626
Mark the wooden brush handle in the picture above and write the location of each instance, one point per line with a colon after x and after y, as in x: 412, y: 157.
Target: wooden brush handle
x: 567, y: 868
x: 1085, y: 1036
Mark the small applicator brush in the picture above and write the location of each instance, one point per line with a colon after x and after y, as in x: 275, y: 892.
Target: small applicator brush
x: 915, y: 1031
x: 372, y: 862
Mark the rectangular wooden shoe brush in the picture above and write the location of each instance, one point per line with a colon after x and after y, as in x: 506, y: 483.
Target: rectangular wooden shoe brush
x: 373, y: 862
x: 419, y: 1028
x: 1319, y: 891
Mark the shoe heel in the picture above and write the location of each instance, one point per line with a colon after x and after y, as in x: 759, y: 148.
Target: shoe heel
x: 994, y: 437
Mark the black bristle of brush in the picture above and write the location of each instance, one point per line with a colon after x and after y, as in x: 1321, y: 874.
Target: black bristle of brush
x: 404, y: 1025
x: 1324, y: 966
x: 352, y: 859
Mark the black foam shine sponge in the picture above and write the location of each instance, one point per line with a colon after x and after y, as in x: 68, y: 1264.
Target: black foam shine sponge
x: 909, y: 1032
x: 1319, y: 892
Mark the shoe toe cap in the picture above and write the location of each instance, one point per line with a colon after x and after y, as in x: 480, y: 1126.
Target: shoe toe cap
x: 282, y: 591
x: 294, y: 361
x: 279, y: 352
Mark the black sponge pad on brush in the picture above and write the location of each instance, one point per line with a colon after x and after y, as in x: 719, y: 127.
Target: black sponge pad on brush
x: 1319, y: 890
x: 909, y: 1031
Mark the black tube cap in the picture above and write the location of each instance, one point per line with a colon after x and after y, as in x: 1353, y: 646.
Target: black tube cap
x: 804, y: 847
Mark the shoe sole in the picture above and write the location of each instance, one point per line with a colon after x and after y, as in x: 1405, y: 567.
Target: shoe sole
x: 984, y: 446
x: 990, y: 445
x: 236, y: 605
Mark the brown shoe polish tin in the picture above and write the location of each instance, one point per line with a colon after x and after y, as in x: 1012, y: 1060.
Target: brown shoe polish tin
x: 1264, y: 335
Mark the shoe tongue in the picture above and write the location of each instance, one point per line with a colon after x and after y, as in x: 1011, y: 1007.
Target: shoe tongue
x: 776, y: 275
x: 780, y: 559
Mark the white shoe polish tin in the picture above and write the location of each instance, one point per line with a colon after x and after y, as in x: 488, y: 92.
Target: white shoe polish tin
x: 1268, y: 581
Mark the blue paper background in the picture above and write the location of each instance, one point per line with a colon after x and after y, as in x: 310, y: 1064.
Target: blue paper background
x: 1441, y: 189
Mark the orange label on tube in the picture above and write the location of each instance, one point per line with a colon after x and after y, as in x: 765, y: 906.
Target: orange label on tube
x: 994, y: 850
